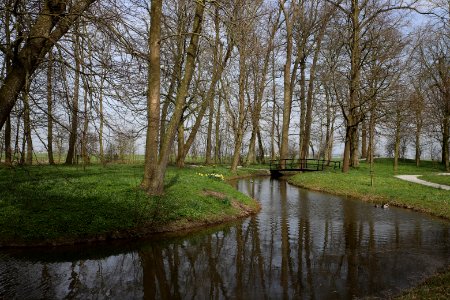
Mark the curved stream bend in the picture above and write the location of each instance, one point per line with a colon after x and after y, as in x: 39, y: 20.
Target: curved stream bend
x: 302, y: 245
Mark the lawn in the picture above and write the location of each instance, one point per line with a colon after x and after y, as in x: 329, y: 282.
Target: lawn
x: 439, y: 179
x: 64, y: 204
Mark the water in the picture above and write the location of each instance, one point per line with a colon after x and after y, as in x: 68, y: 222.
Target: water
x: 302, y: 245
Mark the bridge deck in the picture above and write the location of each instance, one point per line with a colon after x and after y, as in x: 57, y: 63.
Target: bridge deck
x: 281, y: 165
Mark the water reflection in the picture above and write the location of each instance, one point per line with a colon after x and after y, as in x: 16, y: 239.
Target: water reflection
x: 302, y: 245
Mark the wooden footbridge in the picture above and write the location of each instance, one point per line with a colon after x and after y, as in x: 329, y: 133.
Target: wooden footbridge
x: 278, y: 166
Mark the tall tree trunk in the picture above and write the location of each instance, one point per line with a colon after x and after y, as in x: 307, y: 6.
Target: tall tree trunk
x: 51, y: 160
x: 329, y: 127
x: 446, y: 141
x: 351, y: 140
x: 274, y: 110
x: 7, y: 58
x: 364, y: 140
x: 261, y: 154
x: 181, y: 156
x: 209, y: 135
x: 259, y: 88
x: 239, y: 133
x: 27, y: 123
x: 177, y: 69
x: 287, y: 89
x: 8, y: 148
x: 153, y: 181
x: 310, y: 97
x: 84, y: 150
x: 417, y: 136
x: 251, y: 155
x: 354, y: 146
x: 70, y: 159
x: 217, y: 132
x: 302, y: 105
x: 217, y: 73
x: 101, y: 116
x: 398, y: 120
x: 371, y: 146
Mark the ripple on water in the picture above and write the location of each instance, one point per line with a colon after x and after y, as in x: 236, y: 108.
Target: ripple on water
x: 303, y: 244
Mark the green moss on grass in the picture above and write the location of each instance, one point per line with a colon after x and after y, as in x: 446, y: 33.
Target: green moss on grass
x: 439, y: 179
x: 436, y: 287
x: 60, y: 204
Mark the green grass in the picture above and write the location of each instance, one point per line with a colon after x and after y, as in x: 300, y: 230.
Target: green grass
x: 60, y: 203
x: 436, y: 287
x: 386, y: 188
x: 439, y: 179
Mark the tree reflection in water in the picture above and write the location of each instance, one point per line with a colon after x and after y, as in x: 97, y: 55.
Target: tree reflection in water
x: 302, y: 245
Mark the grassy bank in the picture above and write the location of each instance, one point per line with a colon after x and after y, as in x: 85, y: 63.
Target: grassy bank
x: 386, y: 188
x: 439, y: 179
x: 60, y: 205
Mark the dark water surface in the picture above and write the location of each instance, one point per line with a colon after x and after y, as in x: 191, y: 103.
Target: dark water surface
x: 302, y: 245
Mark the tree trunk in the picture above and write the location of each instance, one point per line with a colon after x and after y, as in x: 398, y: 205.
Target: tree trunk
x: 155, y: 168
x: 310, y: 97
x: 445, y: 142
x: 346, y: 158
x: 51, y: 160
x: 329, y: 127
x: 371, y: 146
x: 153, y: 182
x: 302, y: 105
x: 259, y: 88
x: 397, y: 139
x: 354, y: 146
x: 251, y: 155
x: 351, y: 140
x: 261, y: 155
x: 181, y: 156
x: 84, y: 150
x: 209, y: 135
x: 70, y: 159
x: 274, y: 110
x: 287, y: 89
x: 8, y: 148
x: 417, y: 135
x: 364, y: 140
x: 217, y: 132
x: 239, y: 133
x: 100, y: 131
x: 27, y: 123
x: 217, y: 73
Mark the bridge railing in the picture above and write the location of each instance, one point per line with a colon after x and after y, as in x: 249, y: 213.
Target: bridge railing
x: 308, y: 164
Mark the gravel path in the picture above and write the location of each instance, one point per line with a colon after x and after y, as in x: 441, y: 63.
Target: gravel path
x: 415, y: 179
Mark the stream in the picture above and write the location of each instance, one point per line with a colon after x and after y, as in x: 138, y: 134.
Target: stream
x: 302, y: 245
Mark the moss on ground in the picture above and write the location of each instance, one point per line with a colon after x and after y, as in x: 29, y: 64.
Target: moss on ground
x: 65, y: 204
x: 439, y: 179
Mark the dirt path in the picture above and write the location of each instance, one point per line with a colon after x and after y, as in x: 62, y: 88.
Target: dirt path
x: 415, y: 179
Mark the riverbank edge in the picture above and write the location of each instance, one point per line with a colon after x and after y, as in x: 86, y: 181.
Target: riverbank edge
x: 374, y: 199
x: 184, y: 226
x: 435, y: 285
